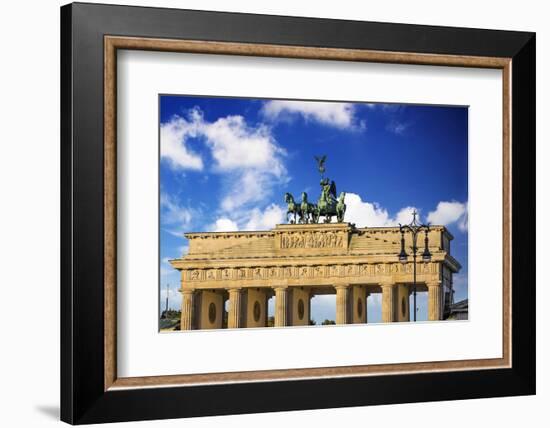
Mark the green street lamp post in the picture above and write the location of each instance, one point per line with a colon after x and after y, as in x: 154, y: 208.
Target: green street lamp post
x: 414, y: 228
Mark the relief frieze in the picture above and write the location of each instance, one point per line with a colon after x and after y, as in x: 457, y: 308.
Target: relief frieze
x: 304, y: 240
x: 307, y: 271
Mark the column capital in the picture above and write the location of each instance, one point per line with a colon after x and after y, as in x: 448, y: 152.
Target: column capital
x: 341, y: 286
x: 433, y: 283
x: 387, y: 284
x: 186, y: 290
x: 280, y: 287
x: 233, y: 289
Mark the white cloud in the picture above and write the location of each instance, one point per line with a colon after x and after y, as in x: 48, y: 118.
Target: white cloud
x: 396, y: 127
x: 463, y: 221
x: 235, y: 145
x: 339, y: 115
x: 371, y: 214
x: 252, y: 219
x: 224, y: 224
x: 448, y: 213
x: 404, y: 216
x: 173, y: 213
x: 267, y: 219
x: 173, y: 136
x: 365, y: 214
x: 248, y: 186
x: 249, y: 158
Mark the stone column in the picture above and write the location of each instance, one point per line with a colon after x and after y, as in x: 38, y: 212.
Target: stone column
x: 388, y: 302
x: 281, y: 307
x: 434, y: 301
x: 187, y: 308
x: 234, y: 314
x: 342, y: 304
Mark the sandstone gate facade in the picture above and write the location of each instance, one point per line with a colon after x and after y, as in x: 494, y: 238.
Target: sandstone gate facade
x: 294, y: 262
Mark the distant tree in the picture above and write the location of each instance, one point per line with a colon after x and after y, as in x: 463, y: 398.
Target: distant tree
x: 328, y: 322
x: 312, y: 322
x: 170, y: 314
x: 173, y: 314
x: 271, y: 321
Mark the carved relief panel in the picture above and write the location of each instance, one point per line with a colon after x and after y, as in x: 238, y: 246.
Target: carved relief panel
x: 302, y: 240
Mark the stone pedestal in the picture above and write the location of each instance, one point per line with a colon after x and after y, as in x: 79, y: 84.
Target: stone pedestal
x: 281, y: 306
x: 402, y: 303
x: 342, y: 304
x: 187, y: 309
x: 388, y: 302
x: 434, y: 301
x: 234, y: 313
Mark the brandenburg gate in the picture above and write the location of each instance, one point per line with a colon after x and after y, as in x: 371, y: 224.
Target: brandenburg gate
x: 295, y: 262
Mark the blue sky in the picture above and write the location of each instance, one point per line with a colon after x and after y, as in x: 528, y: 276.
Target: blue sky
x: 225, y: 164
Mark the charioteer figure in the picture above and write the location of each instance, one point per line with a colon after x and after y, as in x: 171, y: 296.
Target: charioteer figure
x: 328, y: 205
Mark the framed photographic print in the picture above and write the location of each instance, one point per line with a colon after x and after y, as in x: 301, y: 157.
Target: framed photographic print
x: 267, y: 213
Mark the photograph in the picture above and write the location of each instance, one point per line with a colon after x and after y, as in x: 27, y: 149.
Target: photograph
x: 291, y: 212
